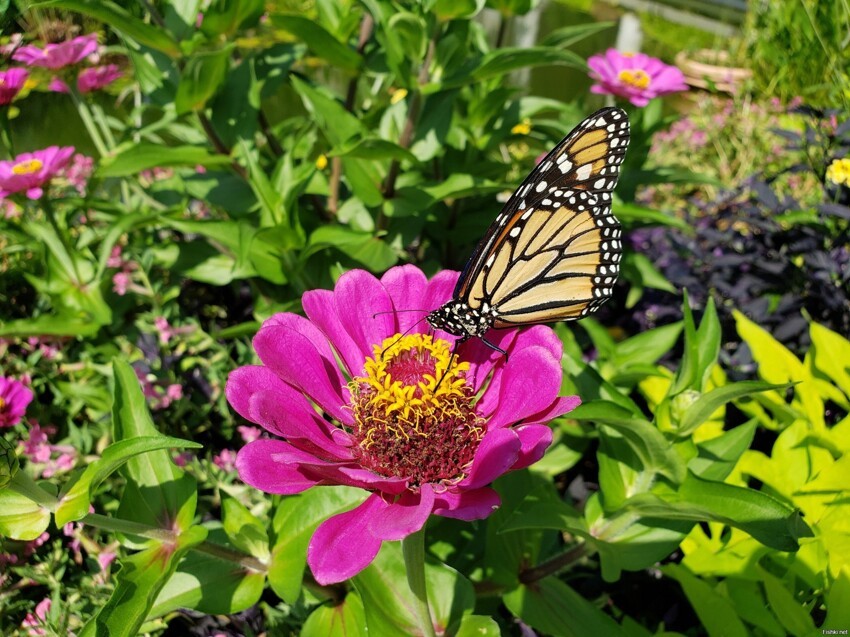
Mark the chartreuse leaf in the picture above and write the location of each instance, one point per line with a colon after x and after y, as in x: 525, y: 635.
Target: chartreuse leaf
x: 768, y: 520
x: 716, y: 612
x: 75, y: 502
x: 208, y: 584
x: 122, y: 21
x: 750, y: 604
x: 453, y: 9
x: 552, y: 607
x: 59, y: 325
x: 134, y: 158
x: 244, y: 529
x: 830, y: 355
x: 389, y: 603
x: 158, y: 492
x: 319, y: 40
x: 477, y: 626
x: 20, y: 517
x: 138, y: 583
x: 295, y: 520
x: 345, y: 619
x: 703, y: 407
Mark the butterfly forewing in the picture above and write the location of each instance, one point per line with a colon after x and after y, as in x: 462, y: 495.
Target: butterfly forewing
x: 553, y: 252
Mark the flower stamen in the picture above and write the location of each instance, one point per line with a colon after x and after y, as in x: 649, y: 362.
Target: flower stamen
x: 637, y: 78
x: 27, y: 167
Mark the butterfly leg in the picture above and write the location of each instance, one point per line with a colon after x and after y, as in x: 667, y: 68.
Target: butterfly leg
x: 495, y: 347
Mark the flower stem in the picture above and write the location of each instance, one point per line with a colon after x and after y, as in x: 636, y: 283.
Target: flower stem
x: 6, y: 130
x: 26, y: 486
x: 552, y: 566
x: 413, y: 547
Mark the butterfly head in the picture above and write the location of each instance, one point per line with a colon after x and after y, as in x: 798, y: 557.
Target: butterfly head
x: 459, y: 319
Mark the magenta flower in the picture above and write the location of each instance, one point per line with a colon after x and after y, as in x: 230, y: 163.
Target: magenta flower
x: 14, y: 398
x: 56, y: 56
x: 636, y: 77
x: 96, y: 77
x: 422, y: 431
x: 28, y: 172
x: 11, y: 82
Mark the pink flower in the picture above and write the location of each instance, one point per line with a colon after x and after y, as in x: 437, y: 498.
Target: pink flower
x: 58, y: 85
x: 28, y: 172
x: 78, y: 172
x: 14, y: 398
x: 11, y: 82
x: 115, y: 260
x: 34, y: 623
x: 163, y: 329
x: 105, y: 558
x: 36, y: 448
x: 225, y: 460
x: 55, y: 56
x: 96, y: 77
x: 173, y: 392
x: 249, y: 434
x: 422, y: 431
x: 636, y: 77
x: 120, y: 282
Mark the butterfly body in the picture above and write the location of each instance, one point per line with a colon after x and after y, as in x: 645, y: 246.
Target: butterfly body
x: 553, y: 252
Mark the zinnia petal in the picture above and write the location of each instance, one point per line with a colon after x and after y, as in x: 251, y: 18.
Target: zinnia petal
x: 406, y: 515
x: 475, y: 504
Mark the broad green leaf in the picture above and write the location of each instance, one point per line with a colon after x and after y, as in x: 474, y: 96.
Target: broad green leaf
x: 74, y: 503
x: 208, y: 584
x: 771, y: 522
x: 120, y: 20
x: 458, y: 185
x: 158, y: 492
x: 133, y: 159
x: 790, y: 612
x: 336, y: 123
x: 640, y: 270
x: 717, y: 457
x: 200, y: 79
x: 552, y: 607
x: 273, y: 211
x: 751, y: 605
x: 343, y: 619
x: 632, y: 214
x: 837, y: 608
x: 830, y: 355
x: 370, y: 148
x: 389, y: 604
x: 542, y: 508
x: 646, y: 347
x: 320, y: 41
x: 410, y: 29
x: 709, y: 338
x: 704, y: 406
x: 364, y: 248
x: 565, y: 36
x: 446, y: 10
x: 141, y: 578
x: 244, y: 529
x: 21, y: 518
x: 58, y: 325
x: 716, y: 612
x: 294, y: 522
x: 504, y: 60
x: 688, y: 376
x: 225, y: 17
x: 477, y: 626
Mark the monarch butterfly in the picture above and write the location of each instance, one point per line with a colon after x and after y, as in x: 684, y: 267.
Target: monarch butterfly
x: 553, y: 252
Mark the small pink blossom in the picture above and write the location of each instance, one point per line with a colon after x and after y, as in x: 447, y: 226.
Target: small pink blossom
x: 33, y: 545
x: 164, y: 329
x: 225, y: 460
x: 78, y: 172
x: 120, y: 282
x: 184, y: 458
x: 636, y: 77
x: 95, y: 78
x: 174, y: 392
x: 157, y: 392
x: 58, y: 85
x: 29, y: 172
x: 58, y: 55
x: 249, y: 434
x: 15, y: 40
x: 14, y: 399
x: 105, y: 558
x: 49, y: 349
x: 11, y: 82
x: 63, y: 462
x: 115, y: 259
x: 35, y: 622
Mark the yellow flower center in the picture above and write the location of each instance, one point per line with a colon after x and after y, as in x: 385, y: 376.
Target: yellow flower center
x: 838, y: 171
x: 523, y: 128
x: 413, y: 411
x: 2, y: 403
x: 27, y: 167
x: 634, y: 77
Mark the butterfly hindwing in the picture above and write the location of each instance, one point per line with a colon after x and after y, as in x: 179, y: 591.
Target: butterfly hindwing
x: 553, y: 252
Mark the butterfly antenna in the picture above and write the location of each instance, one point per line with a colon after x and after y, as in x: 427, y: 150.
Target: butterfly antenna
x: 401, y: 336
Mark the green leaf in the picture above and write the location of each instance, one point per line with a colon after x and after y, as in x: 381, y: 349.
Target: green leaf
x: 505, y: 60
x: 200, y: 79
x: 565, y: 36
x: 342, y: 619
x: 646, y: 347
x: 21, y: 518
x: 543, y: 508
x: 132, y: 159
x: 158, y: 492
x: 59, y: 325
x: 477, y: 626
x: 294, y: 522
x: 335, y: 122
x: 708, y: 341
x: 716, y: 612
x: 390, y: 606
x: 141, y: 578
x: 830, y: 354
x: 367, y: 250
x: 208, y: 584
x: 771, y: 522
x: 244, y: 529
x: 371, y: 148
x: 120, y: 20
x: 702, y: 408
x: 717, y: 457
x: 458, y: 185
x: 793, y: 616
x: 552, y: 607
x: 225, y: 17
x: 320, y: 41
x: 74, y: 503
x: 641, y: 270
x: 446, y: 10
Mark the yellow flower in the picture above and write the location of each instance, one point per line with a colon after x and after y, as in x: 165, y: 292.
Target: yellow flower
x: 839, y: 171
x: 398, y: 95
x: 321, y: 162
x: 523, y: 128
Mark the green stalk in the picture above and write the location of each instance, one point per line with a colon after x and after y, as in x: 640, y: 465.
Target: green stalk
x: 50, y: 213
x: 6, y: 131
x: 24, y: 485
x: 413, y: 547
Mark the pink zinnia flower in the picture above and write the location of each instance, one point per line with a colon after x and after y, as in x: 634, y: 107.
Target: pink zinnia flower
x: 96, y: 77
x: 422, y: 431
x: 14, y: 398
x: 34, y: 623
x: 56, y: 56
x: 11, y: 82
x: 636, y: 77
x: 28, y: 172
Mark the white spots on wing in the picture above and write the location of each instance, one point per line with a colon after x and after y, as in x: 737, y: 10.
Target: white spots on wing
x: 541, y: 186
x: 515, y: 232
x: 565, y: 166
x: 599, y: 183
x: 561, y: 159
x: 545, y: 167
x: 611, y: 128
x: 526, y: 214
x: 600, y: 121
x: 615, y: 142
x: 547, y: 202
x: 583, y: 172
x: 490, y: 261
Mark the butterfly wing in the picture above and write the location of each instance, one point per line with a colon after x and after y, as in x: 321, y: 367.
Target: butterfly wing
x: 553, y: 251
